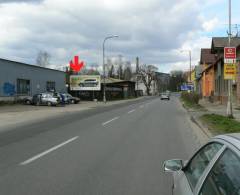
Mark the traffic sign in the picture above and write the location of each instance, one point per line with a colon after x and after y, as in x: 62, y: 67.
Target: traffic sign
x: 230, y: 71
x: 187, y: 87
x: 230, y: 61
x: 230, y: 53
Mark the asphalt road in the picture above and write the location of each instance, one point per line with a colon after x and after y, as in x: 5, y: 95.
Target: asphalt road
x: 113, y: 151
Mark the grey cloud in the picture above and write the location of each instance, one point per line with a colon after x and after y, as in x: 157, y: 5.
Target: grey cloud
x: 151, y: 33
x: 20, y: 1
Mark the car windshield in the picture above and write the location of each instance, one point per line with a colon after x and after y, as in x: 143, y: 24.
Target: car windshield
x: 97, y: 95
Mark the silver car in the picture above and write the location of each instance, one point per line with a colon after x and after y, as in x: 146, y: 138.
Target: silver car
x: 45, y: 99
x: 165, y: 96
x: 213, y: 170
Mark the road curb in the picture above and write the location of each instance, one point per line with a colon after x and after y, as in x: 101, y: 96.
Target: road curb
x: 200, y: 125
x: 196, y: 121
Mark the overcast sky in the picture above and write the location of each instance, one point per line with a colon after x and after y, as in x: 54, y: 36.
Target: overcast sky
x: 154, y: 30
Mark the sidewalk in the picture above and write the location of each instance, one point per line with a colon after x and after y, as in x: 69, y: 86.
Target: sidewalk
x: 212, y: 108
x: 16, y: 115
x: 217, y: 108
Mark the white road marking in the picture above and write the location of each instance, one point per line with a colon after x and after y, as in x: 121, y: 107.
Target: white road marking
x: 141, y: 106
x: 131, y: 111
x: 48, y: 151
x: 110, y: 121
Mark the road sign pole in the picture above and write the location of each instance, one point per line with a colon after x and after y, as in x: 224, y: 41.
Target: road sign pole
x: 229, y: 103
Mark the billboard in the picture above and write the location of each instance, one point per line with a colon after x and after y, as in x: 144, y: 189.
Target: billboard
x: 85, y: 82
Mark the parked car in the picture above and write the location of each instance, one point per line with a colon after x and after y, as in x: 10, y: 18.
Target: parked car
x: 70, y: 99
x: 165, y: 96
x: 56, y: 95
x: 89, y: 83
x: 213, y: 170
x: 45, y: 99
x: 28, y: 100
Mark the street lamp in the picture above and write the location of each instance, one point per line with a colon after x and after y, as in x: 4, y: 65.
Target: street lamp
x: 190, y: 61
x: 104, y: 74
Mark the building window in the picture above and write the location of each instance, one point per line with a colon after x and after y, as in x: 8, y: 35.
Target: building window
x: 50, y: 86
x: 23, y: 87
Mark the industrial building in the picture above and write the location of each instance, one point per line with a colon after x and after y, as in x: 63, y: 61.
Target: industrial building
x: 18, y: 80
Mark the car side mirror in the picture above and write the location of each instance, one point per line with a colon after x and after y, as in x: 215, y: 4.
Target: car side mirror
x: 173, y: 165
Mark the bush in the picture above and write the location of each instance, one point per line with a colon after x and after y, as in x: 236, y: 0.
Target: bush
x: 190, y: 97
x: 221, y: 124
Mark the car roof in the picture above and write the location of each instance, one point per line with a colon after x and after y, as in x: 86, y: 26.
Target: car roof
x: 233, y: 138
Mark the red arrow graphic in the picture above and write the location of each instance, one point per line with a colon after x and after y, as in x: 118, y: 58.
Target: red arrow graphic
x: 76, y: 66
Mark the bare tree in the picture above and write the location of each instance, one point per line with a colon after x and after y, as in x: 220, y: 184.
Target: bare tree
x: 147, y: 73
x: 137, y: 65
x: 43, y: 58
x: 109, y: 64
x: 120, y: 72
x: 127, y: 74
x: 93, y: 72
x: 111, y: 72
x: 120, y: 67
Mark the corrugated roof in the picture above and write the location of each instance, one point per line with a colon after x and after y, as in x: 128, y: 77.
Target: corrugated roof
x: 220, y: 42
x: 33, y: 66
x: 207, y: 57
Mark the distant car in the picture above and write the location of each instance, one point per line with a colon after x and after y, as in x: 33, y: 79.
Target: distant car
x: 70, y: 99
x: 89, y: 83
x: 213, y: 170
x: 45, y: 99
x: 164, y: 96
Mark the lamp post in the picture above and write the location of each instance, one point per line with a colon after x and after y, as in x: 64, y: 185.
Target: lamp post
x: 104, y: 74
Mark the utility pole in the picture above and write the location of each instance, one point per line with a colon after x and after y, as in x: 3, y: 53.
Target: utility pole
x: 137, y: 69
x: 229, y: 103
x: 190, y: 68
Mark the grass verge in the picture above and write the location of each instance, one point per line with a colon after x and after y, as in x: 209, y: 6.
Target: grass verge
x: 191, y: 105
x: 221, y: 124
